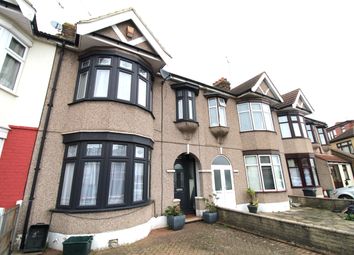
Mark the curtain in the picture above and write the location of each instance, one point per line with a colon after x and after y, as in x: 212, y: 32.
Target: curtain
x: 116, y: 183
x: 142, y: 92
x: 89, y: 184
x: 138, y: 182
x: 124, y: 86
x: 101, y: 83
x: 81, y: 90
x: 253, y: 177
x: 67, y: 184
x: 9, y: 72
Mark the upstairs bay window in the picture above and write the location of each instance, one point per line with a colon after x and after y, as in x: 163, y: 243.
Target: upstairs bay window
x: 264, y: 172
x: 185, y: 101
x: 322, y: 136
x: 104, y: 174
x: 217, y: 112
x: 12, y: 57
x: 310, y: 133
x: 255, y: 116
x: 110, y: 77
x: 292, y: 126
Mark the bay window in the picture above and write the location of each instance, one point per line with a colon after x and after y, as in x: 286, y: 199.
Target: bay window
x: 104, y: 171
x: 264, y: 172
x: 217, y: 112
x: 114, y: 78
x: 292, y: 126
x: 185, y: 101
x: 310, y: 133
x: 12, y: 57
x: 302, y: 171
x: 322, y: 135
x: 346, y: 147
x: 255, y: 116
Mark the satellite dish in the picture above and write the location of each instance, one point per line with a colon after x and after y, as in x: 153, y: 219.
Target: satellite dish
x: 56, y: 25
x: 165, y: 75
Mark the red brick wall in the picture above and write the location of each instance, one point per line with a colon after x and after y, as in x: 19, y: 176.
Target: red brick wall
x: 14, y: 164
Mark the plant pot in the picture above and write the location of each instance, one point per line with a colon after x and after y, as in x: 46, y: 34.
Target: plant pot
x: 252, y: 208
x: 176, y: 222
x: 210, y: 217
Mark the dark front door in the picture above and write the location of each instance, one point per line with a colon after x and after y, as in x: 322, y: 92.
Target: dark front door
x: 184, y: 182
x: 338, y: 183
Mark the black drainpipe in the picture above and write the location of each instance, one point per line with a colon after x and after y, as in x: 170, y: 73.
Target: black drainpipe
x: 41, y: 147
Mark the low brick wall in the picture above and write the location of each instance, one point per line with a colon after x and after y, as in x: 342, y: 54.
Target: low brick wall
x: 322, y: 203
x: 318, y: 238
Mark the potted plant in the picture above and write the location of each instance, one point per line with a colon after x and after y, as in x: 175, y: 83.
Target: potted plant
x: 253, y: 205
x: 175, y: 217
x: 211, y: 214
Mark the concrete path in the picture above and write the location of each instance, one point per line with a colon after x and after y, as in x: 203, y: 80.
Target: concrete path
x: 201, y: 238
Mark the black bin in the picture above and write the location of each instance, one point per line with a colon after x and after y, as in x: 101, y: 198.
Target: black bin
x: 309, y: 192
x: 36, y: 238
x: 78, y: 245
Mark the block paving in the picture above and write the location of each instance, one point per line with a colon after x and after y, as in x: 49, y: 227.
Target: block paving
x: 200, y: 238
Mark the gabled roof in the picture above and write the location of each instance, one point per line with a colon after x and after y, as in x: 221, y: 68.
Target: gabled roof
x: 338, y: 124
x: 331, y: 158
x: 86, y: 27
x: 296, y: 99
x: 254, y: 85
x: 347, y: 134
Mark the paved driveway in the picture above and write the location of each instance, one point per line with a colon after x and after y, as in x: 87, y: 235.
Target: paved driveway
x: 201, y: 238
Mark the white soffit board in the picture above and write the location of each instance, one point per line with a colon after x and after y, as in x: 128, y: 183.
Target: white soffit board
x: 86, y: 27
x: 265, y: 77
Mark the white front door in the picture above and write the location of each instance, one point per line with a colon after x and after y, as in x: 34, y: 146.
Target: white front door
x: 223, y: 186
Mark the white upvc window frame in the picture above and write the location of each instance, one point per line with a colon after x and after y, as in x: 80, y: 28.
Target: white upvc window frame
x: 6, y: 36
x: 220, y: 108
x: 263, y: 109
x: 260, y: 175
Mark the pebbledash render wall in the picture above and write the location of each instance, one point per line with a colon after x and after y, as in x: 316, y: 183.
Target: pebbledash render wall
x: 133, y: 224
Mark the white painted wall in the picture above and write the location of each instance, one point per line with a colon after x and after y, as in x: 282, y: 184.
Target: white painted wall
x: 24, y: 107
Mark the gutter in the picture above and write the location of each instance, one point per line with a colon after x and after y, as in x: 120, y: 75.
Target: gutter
x: 41, y: 147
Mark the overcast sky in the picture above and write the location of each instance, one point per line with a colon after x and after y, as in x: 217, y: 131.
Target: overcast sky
x: 307, y: 44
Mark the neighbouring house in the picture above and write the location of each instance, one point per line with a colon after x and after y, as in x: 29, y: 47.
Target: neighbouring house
x: 25, y: 68
x: 339, y: 128
x: 344, y: 142
x: 122, y: 139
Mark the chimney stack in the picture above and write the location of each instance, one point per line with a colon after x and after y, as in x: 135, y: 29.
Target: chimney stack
x: 222, y: 83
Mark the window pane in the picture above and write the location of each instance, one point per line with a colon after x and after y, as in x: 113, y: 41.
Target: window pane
x: 143, y: 73
x: 116, y: 183
x: 220, y: 160
x: 139, y: 152
x: 228, y: 182
x: 124, y: 86
x: 309, y: 133
x: 85, y: 64
x: 258, y: 121
x: 294, y: 173
x: 190, y: 94
x: 268, y: 121
x: 303, y: 129
x: 180, y: 109
x: 72, y: 150
x: 126, y: 65
x: 256, y: 107
x: 93, y: 149
x: 253, y: 177
x: 314, y: 171
x: 104, y: 61
x: 243, y: 107
x: 222, y: 114
x: 265, y: 159
x: 268, y: 177
x: 217, y: 180
x: 89, y: 183
x: 275, y: 160
x: 138, y: 182
x: 279, y: 178
x: 307, y: 175
x: 245, y: 121
x: 9, y: 72
x: 222, y: 102
x: 285, y: 130
x: 296, y: 129
x: 81, y: 89
x: 251, y: 160
x: 190, y: 109
x: 142, y: 92
x: 283, y: 119
x: 293, y: 118
x: 213, y: 117
x: 17, y: 47
x: 119, y: 150
x: 101, y: 83
x: 67, y: 184
x: 212, y: 102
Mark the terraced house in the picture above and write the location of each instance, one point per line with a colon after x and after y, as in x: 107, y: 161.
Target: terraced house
x: 123, y: 139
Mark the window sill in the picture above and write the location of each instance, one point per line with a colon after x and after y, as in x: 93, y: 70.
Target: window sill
x: 257, y: 131
x: 271, y: 191
x: 9, y: 91
x: 182, y: 120
x: 288, y: 138
x: 108, y: 209
x: 111, y: 100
